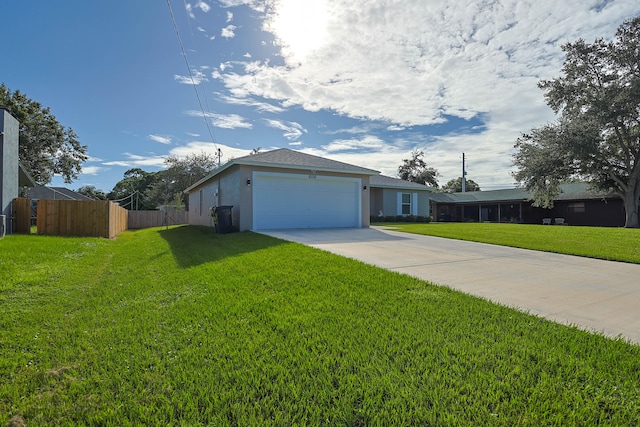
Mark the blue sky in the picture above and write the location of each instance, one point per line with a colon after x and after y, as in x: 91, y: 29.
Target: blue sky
x: 364, y: 82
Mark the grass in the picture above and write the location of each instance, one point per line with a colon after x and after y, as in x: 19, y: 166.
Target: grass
x: 185, y: 327
x: 615, y: 244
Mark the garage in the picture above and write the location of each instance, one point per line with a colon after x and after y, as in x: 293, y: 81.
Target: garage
x: 287, y: 200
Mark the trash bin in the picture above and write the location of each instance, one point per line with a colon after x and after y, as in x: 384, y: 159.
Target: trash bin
x: 223, y: 221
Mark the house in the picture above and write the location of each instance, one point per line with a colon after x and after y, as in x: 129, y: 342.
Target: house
x: 393, y: 197
x: 576, y: 204
x: 54, y: 193
x: 284, y: 189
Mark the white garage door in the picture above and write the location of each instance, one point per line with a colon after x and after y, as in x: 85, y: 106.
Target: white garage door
x: 301, y: 201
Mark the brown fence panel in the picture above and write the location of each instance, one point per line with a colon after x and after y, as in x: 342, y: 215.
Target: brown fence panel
x: 22, y: 215
x: 147, y: 219
x: 97, y: 218
x: 118, y: 220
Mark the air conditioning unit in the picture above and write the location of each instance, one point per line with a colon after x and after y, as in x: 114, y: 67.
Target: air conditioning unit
x: 3, y: 224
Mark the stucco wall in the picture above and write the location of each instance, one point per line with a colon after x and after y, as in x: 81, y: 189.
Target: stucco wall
x: 9, y: 129
x: 387, y: 200
x: 199, y: 210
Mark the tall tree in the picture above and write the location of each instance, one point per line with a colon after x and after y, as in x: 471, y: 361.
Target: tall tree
x: 455, y: 186
x: 181, y: 172
x: 415, y: 169
x: 597, y: 135
x: 131, y: 190
x: 46, y: 148
x: 92, y: 192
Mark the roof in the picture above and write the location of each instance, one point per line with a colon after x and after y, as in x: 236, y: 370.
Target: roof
x: 289, y: 159
x: 24, y: 178
x: 55, y: 193
x: 383, y: 181
x: 573, y: 191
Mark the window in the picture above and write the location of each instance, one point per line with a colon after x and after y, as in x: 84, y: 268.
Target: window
x: 406, y: 203
x: 201, y: 193
x: 577, y: 207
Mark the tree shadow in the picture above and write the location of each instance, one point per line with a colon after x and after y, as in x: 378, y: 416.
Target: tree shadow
x: 193, y: 245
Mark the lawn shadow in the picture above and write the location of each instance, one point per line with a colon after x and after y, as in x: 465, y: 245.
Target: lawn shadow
x: 193, y: 245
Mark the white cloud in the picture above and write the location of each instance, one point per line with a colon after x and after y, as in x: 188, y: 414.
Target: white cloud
x: 162, y: 139
x: 203, y: 6
x: 229, y: 16
x: 413, y: 63
x: 226, y: 121
x: 195, y: 78
x: 197, y: 147
x: 92, y: 170
x: 292, y: 130
x: 367, y: 143
x: 228, y: 32
x: 135, y: 160
x: 258, y: 105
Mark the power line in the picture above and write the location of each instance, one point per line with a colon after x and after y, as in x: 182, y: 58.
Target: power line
x: 195, y: 51
x: 186, y: 61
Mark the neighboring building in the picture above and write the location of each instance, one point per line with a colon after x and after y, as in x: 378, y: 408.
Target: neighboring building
x: 284, y: 189
x: 576, y: 205
x: 394, y: 197
x: 54, y: 193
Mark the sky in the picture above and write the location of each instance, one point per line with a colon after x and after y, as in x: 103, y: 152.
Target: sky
x: 364, y: 82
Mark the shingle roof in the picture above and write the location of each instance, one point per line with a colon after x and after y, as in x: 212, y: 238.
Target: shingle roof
x: 55, y: 193
x: 383, y: 181
x: 284, y: 157
x: 289, y: 159
x: 573, y: 191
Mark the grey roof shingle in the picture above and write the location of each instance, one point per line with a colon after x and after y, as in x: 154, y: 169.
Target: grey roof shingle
x: 289, y: 159
x: 383, y: 181
x: 573, y: 191
x: 55, y: 193
x: 284, y: 157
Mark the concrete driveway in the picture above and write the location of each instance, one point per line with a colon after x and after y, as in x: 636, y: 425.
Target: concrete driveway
x: 592, y: 294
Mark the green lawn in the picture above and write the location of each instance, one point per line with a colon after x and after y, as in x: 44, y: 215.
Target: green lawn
x: 616, y: 244
x: 185, y: 327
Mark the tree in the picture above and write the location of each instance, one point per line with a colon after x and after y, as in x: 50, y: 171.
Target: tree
x: 181, y: 172
x: 597, y: 135
x: 132, y: 189
x: 455, y: 186
x: 416, y: 170
x: 45, y: 146
x: 92, y: 192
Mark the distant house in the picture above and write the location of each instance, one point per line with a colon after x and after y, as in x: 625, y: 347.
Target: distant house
x: 575, y: 204
x: 396, y: 197
x: 54, y: 193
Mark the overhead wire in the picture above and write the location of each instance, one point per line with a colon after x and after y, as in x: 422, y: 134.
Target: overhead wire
x: 195, y: 51
x: 193, y: 82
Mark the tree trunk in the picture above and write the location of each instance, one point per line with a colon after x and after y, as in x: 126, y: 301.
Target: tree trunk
x: 631, y: 209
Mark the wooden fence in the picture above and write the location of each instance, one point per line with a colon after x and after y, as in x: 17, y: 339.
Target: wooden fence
x: 146, y: 219
x: 97, y: 218
x: 22, y: 215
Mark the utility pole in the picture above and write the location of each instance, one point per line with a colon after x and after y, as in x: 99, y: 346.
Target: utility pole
x: 464, y: 176
x: 219, y: 157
